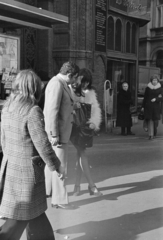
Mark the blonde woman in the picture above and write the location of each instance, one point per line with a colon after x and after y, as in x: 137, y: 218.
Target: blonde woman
x: 26, y: 149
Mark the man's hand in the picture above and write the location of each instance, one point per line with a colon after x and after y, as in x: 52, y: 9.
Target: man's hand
x: 61, y: 172
x: 54, y: 141
x: 153, y: 99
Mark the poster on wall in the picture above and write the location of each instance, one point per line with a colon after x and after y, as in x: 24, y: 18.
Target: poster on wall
x: 100, y: 25
x: 9, y: 58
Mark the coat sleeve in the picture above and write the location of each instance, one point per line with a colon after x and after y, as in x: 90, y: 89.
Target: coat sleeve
x: 2, y: 138
x: 55, y: 91
x: 145, y: 97
x: 36, y: 128
x: 95, y: 110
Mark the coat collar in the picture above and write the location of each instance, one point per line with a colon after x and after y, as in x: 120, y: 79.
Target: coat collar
x: 150, y: 85
x: 64, y: 83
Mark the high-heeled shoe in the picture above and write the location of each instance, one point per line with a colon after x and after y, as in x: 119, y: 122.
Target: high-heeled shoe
x: 94, y: 191
x: 76, y: 190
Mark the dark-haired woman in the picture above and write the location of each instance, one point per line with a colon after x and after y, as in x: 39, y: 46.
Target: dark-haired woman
x: 124, y: 102
x: 151, y: 105
x: 84, y: 93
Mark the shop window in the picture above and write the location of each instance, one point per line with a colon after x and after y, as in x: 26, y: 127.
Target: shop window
x: 118, y: 35
x: 133, y: 42
x: 128, y: 37
x: 110, y: 33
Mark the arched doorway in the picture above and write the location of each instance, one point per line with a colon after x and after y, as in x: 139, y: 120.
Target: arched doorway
x: 159, y: 62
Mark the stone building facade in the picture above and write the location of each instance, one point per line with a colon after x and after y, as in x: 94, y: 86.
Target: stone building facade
x: 151, y: 38
x: 102, y: 35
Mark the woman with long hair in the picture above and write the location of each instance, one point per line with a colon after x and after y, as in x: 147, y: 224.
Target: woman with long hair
x: 83, y: 92
x: 26, y: 149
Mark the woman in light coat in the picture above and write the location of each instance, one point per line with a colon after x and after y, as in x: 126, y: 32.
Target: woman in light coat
x: 84, y: 93
x: 26, y: 149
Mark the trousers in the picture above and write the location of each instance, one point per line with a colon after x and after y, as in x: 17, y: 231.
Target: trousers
x: 38, y: 228
x: 54, y: 185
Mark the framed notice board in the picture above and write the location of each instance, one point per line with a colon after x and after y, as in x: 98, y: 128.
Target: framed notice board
x: 9, y: 53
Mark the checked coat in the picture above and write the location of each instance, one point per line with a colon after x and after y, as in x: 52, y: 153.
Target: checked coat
x: 23, y: 137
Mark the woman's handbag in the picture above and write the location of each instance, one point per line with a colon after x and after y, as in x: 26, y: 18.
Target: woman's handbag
x: 82, y: 114
x: 82, y: 135
x: 141, y: 116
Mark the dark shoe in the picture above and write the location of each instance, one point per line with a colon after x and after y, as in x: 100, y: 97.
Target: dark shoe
x: 123, y: 134
x: 130, y: 133
x: 94, y: 191
x: 63, y: 206
x: 150, y: 138
x: 76, y: 190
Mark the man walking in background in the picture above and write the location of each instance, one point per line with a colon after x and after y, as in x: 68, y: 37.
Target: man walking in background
x: 58, y: 112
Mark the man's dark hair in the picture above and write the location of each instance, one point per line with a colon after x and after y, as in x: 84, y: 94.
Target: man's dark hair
x: 69, y: 67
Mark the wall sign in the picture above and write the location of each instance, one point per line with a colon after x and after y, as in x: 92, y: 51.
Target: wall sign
x: 130, y: 6
x: 100, y: 25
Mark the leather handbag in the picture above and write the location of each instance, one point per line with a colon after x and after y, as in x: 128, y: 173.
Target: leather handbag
x: 81, y: 134
x: 141, y: 116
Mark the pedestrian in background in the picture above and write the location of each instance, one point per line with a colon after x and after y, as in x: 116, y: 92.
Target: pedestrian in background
x: 26, y: 149
x: 151, y: 105
x: 124, y: 101
x: 84, y: 93
x: 58, y: 112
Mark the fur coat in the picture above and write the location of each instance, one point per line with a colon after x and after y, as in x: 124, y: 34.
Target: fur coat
x: 91, y: 98
x: 152, y: 110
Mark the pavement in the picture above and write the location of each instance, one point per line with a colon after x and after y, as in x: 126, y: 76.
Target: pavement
x: 128, y: 170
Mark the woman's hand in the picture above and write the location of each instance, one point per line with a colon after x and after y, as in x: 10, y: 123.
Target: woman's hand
x: 142, y: 109
x: 77, y: 105
x: 92, y: 126
x: 54, y: 141
x: 61, y: 172
x: 153, y: 99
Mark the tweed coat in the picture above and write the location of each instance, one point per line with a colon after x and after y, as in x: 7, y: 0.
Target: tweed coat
x: 23, y: 137
x: 58, y: 109
x: 152, y: 110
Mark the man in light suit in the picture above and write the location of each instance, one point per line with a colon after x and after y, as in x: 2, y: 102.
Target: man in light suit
x: 58, y: 112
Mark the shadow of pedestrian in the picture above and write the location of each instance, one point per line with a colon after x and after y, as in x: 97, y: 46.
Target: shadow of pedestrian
x: 126, y: 227
x: 134, y: 187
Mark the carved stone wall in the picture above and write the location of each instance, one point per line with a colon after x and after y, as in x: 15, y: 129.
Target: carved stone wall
x: 29, y: 44
x: 74, y: 41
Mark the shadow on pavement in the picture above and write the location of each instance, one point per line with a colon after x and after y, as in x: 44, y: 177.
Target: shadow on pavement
x: 153, y: 183
x: 126, y: 227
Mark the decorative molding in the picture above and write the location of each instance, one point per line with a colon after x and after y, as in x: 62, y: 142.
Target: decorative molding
x: 30, y: 48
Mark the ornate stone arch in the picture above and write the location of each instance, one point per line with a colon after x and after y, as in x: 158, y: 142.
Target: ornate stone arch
x: 157, y: 59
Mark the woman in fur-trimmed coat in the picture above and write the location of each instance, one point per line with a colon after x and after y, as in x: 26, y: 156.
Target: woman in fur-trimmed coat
x: 84, y: 93
x: 151, y: 105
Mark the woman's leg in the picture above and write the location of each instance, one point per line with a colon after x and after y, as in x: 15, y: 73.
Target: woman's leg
x: 78, y: 170
x: 40, y: 229
x: 85, y: 167
x: 123, y: 131
x: 150, y: 128
x: 12, y: 229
